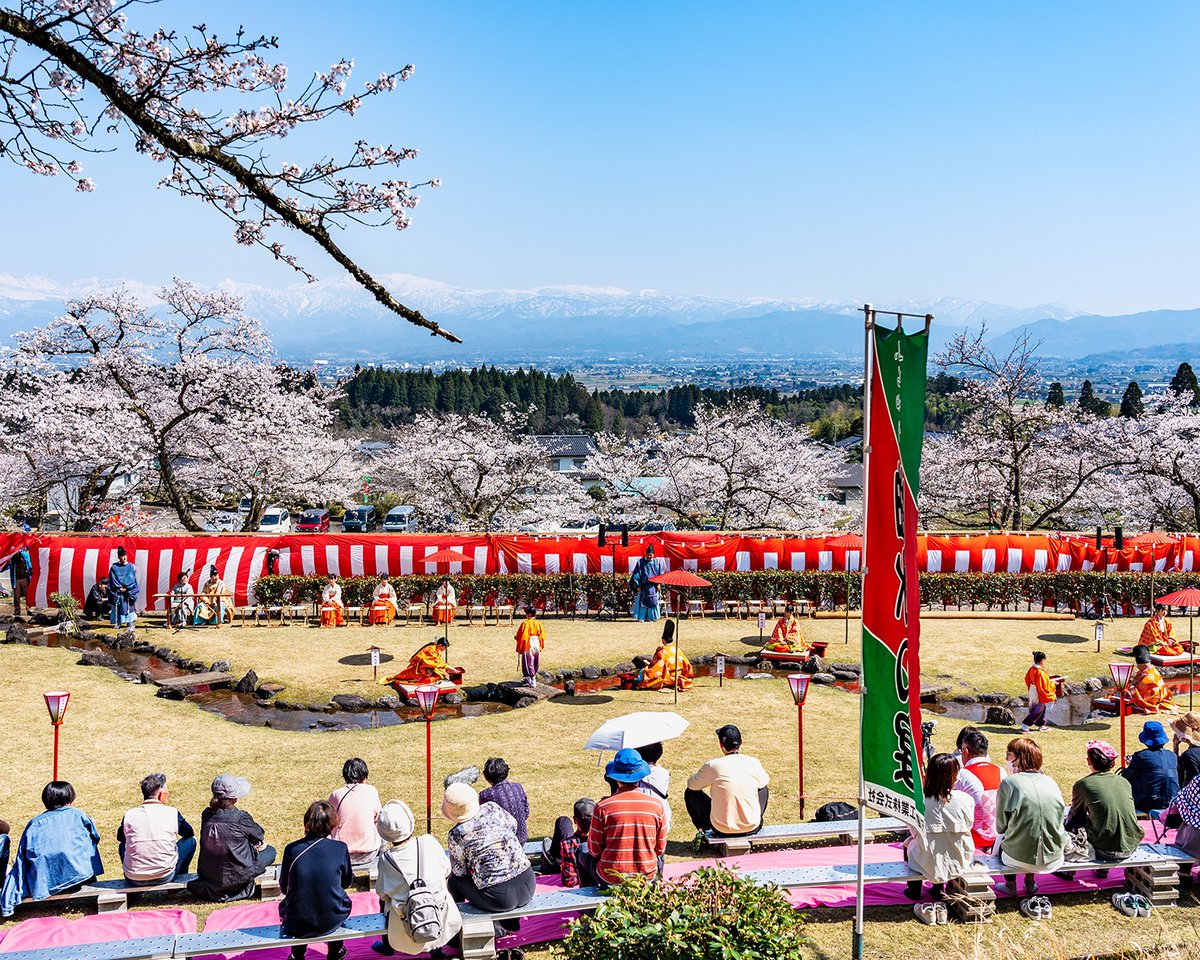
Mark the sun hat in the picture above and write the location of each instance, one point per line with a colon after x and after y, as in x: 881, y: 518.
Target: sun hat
x: 228, y: 787
x: 1187, y: 728
x: 396, y: 822
x: 627, y: 767
x: 460, y: 803
x: 1153, y: 734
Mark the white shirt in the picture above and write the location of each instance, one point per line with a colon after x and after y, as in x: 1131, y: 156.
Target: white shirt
x: 332, y: 593
x: 660, y: 779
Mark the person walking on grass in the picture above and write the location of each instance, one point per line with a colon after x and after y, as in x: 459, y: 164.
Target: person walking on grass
x: 1041, y: 694
x: 531, y: 641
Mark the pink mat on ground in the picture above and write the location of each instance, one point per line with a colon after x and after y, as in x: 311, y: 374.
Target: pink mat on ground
x: 43, y: 932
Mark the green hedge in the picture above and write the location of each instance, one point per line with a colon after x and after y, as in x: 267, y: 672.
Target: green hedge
x: 1078, y: 591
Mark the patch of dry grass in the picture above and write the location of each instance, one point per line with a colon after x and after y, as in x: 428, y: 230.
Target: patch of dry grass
x: 117, y: 732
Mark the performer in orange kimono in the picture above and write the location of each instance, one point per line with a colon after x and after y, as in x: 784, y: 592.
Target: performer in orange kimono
x: 1147, y: 692
x: 384, y: 604
x: 427, y: 665
x: 531, y: 641
x: 445, y: 604
x: 333, y: 612
x: 668, y: 667
x: 787, y: 636
x: 1158, y: 635
x: 1042, y: 693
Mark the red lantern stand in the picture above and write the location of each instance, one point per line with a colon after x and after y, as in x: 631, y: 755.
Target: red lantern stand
x: 56, y: 704
x: 427, y: 698
x: 1121, y: 674
x: 798, y: 683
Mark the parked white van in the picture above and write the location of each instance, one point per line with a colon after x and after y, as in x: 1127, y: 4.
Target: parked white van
x: 402, y: 519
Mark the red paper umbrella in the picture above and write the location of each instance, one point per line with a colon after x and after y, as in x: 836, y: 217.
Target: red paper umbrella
x: 851, y: 541
x: 1152, y: 539
x: 446, y: 556
x: 1189, y: 597
x: 680, y: 578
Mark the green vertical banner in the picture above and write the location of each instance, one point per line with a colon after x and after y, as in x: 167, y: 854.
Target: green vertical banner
x: 891, y: 708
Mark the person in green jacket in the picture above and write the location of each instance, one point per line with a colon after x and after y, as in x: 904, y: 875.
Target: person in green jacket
x: 1102, y: 803
x: 1029, y: 820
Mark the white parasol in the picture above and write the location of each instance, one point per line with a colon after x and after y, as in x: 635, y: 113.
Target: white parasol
x: 637, y: 730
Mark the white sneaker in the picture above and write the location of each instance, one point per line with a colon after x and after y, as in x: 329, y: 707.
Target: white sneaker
x: 943, y: 914
x: 926, y: 913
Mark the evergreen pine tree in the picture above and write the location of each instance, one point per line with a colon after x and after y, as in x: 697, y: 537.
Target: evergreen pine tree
x: 1090, y: 403
x: 1131, y: 402
x: 1185, y: 382
x: 1054, y: 396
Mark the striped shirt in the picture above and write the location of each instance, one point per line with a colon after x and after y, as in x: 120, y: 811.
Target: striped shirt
x: 628, y: 835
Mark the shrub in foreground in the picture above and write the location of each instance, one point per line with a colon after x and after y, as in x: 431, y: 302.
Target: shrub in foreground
x: 712, y: 914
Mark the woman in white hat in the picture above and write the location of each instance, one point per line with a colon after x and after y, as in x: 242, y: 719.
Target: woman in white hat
x: 488, y: 868
x: 398, y: 868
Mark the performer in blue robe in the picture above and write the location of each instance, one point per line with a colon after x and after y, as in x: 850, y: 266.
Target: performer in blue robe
x: 645, y: 593
x: 123, y: 589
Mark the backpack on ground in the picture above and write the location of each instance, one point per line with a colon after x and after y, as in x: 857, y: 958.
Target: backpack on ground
x: 832, y: 812
x: 423, y: 909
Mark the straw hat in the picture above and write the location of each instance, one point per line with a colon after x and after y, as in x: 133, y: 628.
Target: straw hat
x: 1187, y: 728
x: 460, y: 803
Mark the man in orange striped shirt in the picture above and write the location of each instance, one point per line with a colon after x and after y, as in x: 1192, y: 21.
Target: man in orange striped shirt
x: 628, y: 836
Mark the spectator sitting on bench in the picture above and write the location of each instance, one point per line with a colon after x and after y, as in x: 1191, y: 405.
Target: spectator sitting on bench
x: 405, y: 858
x: 4, y: 845
x: 1186, y: 732
x: 1183, y: 816
x: 1153, y: 773
x: 628, y: 835
x: 488, y: 868
x: 509, y: 794
x: 1102, y: 803
x: 313, y: 879
x: 560, y: 851
x: 1029, y: 819
x: 155, y: 843
x: 979, y: 778
x: 357, y: 805
x: 658, y: 783
x: 945, y: 849
x: 232, y: 852
x: 739, y: 792
x: 58, y: 853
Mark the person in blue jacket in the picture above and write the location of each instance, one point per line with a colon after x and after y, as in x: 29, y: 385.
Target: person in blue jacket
x: 59, y: 851
x: 1153, y: 773
x: 315, y: 874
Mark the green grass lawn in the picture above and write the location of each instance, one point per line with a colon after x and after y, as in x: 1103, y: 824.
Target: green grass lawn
x: 116, y: 732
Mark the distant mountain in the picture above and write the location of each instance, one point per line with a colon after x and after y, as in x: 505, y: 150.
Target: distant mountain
x: 1083, y: 336
x: 335, y: 318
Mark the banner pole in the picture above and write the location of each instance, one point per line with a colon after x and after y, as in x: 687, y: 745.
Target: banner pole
x: 857, y: 937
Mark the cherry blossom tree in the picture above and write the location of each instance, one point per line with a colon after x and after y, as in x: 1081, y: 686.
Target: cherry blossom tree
x: 738, y: 466
x: 79, y: 75
x: 476, y: 473
x: 1164, y: 444
x: 1017, y: 462
x: 280, y: 450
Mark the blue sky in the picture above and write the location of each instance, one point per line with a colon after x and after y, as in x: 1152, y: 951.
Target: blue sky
x: 1014, y: 152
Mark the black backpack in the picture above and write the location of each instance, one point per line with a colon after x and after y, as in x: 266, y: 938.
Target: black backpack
x: 831, y: 812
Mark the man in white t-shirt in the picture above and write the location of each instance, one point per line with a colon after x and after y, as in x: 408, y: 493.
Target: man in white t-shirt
x: 155, y: 842
x: 738, y: 793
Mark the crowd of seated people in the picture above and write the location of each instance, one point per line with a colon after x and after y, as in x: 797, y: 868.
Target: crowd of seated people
x: 972, y: 805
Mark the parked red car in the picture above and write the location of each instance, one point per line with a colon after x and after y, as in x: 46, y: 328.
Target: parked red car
x: 313, y: 521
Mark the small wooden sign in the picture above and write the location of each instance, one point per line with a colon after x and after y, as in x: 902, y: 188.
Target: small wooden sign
x: 720, y: 669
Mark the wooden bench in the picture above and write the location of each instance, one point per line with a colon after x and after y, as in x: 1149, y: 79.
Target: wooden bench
x: 417, y: 609
x: 264, y: 938
x: 112, y: 896
x: 781, y: 833
x: 502, y: 609
x: 478, y: 931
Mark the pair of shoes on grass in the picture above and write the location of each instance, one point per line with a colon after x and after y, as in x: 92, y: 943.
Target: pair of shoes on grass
x: 1037, y: 908
x: 1132, y: 904
x: 931, y: 913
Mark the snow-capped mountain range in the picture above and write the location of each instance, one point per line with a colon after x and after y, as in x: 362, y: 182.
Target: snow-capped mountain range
x: 334, y: 317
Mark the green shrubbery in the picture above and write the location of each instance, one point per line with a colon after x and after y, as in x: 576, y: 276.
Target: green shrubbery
x: 1077, y: 591
x: 712, y: 914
